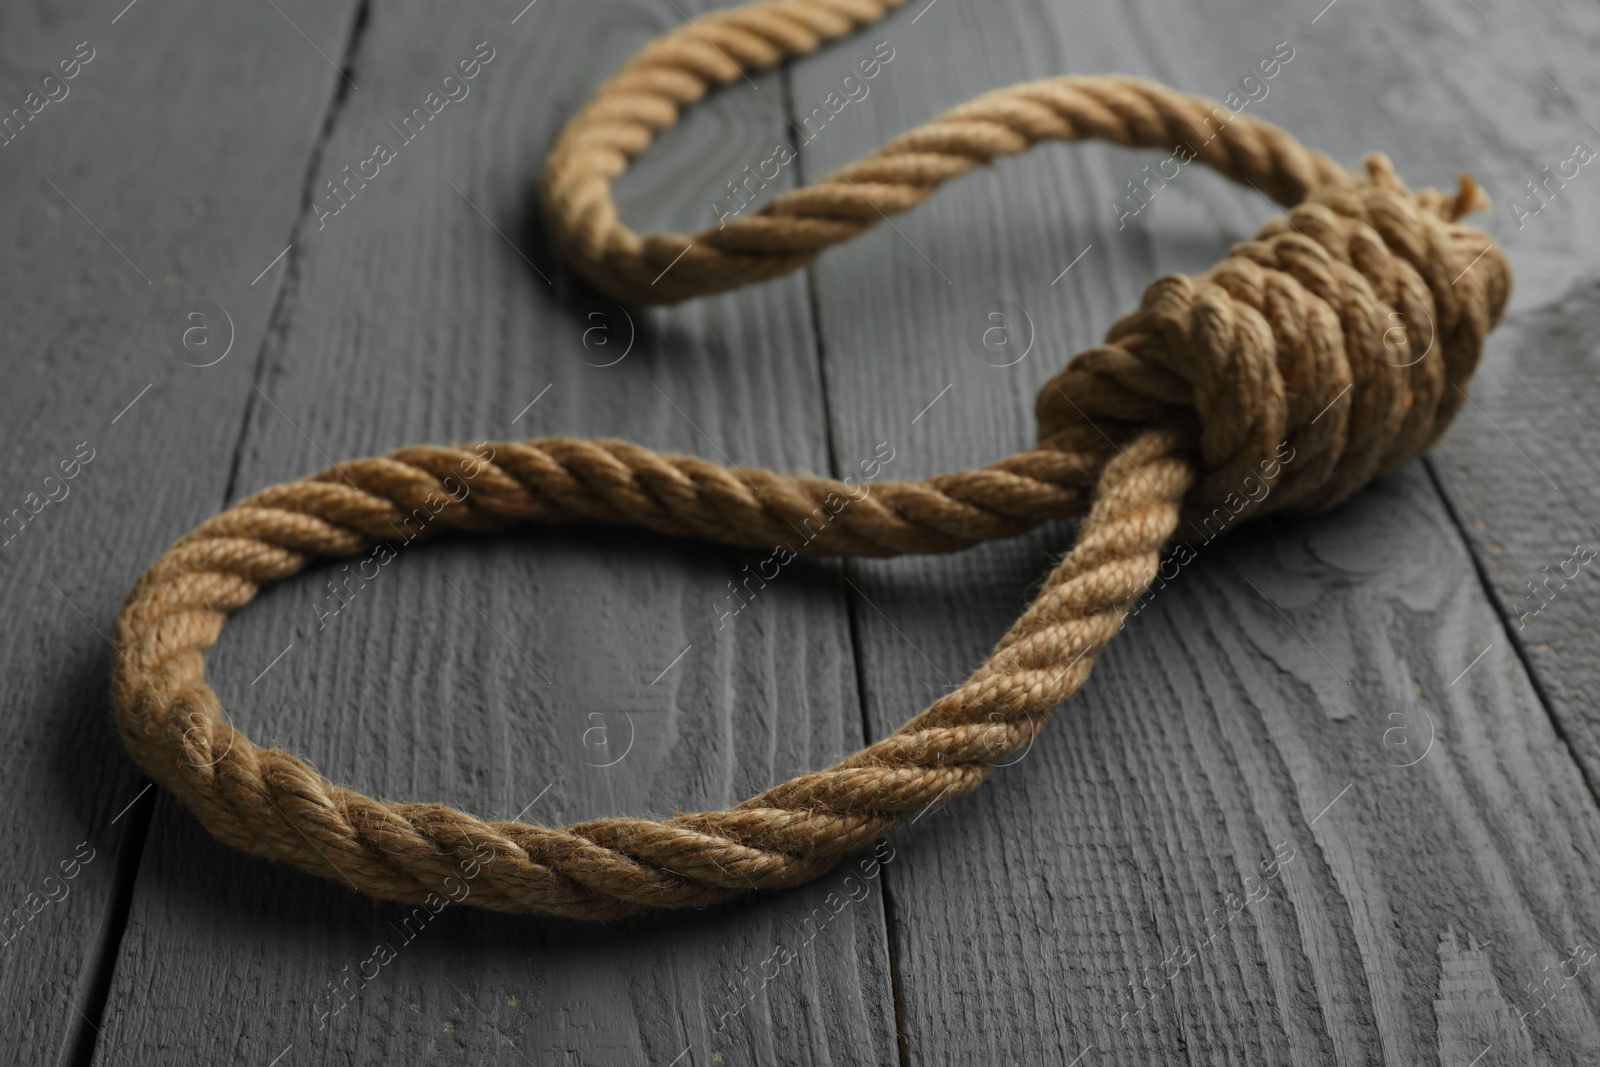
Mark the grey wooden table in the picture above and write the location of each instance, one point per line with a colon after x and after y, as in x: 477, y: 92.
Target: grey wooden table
x: 1101, y: 902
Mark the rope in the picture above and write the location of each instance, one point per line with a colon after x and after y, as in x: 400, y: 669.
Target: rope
x: 1334, y: 346
x: 718, y: 48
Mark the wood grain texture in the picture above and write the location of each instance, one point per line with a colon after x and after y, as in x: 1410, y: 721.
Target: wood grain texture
x: 1519, y: 468
x: 149, y: 180
x: 555, y: 674
x: 1258, y: 685
x: 1362, y: 703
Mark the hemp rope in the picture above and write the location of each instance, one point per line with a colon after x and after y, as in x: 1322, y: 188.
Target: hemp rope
x: 1302, y: 335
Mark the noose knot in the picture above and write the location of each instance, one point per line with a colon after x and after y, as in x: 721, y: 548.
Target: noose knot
x: 1332, y: 347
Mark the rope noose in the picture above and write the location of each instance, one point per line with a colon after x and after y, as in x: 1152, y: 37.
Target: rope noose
x: 1289, y: 342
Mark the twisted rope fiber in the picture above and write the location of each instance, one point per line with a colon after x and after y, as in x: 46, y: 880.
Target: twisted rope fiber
x: 1284, y: 363
x: 719, y: 48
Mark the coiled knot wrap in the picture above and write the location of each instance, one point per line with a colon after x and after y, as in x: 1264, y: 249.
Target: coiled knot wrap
x: 1334, y: 346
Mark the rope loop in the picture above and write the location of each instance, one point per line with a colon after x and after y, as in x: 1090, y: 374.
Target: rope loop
x: 1333, y: 346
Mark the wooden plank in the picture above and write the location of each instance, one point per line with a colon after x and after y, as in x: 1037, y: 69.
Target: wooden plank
x: 137, y: 180
x: 1518, y: 475
x: 1517, y: 468
x: 1422, y: 903
x: 473, y: 672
